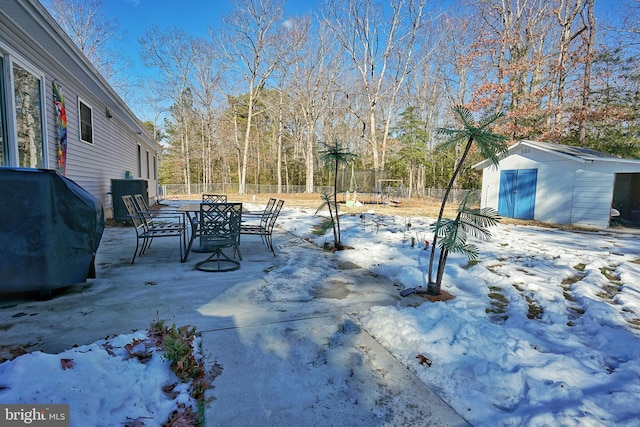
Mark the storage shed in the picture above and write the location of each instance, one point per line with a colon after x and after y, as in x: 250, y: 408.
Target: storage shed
x: 561, y: 184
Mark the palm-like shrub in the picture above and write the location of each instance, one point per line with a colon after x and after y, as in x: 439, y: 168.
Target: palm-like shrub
x: 337, y: 154
x: 451, y: 234
x: 491, y: 145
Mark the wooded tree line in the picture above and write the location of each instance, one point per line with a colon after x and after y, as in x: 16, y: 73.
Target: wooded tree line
x: 253, y: 101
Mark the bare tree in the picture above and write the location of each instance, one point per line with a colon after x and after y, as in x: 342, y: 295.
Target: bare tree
x: 586, y: 80
x: 255, y: 43
x: 206, y: 81
x: 515, y: 31
x: 91, y: 31
x: 630, y: 22
x: 380, y: 48
x: 151, y: 101
x: 566, y: 12
x: 313, y: 73
x: 174, y: 53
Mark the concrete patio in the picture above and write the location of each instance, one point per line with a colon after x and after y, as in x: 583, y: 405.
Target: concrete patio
x: 240, y: 327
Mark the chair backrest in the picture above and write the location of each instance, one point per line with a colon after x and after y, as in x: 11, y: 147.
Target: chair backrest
x: 143, y: 211
x: 274, y: 215
x: 141, y: 202
x: 220, y: 224
x: 264, y: 220
x: 214, y: 198
x: 132, y: 210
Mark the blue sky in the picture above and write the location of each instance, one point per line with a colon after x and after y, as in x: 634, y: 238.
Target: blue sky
x: 196, y: 16
x: 193, y: 16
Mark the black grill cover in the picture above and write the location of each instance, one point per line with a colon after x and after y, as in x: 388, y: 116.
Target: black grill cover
x: 50, y: 229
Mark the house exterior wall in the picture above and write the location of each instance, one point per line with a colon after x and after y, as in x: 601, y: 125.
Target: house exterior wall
x: 28, y: 35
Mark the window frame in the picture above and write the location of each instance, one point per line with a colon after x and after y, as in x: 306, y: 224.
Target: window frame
x: 82, y: 102
x: 10, y: 149
x: 5, y: 150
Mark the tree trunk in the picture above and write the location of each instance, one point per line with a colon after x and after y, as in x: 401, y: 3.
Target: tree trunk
x: 434, y: 288
x: 279, y: 148
x: 309, y: 159
x: 336, y: 229
x: 247, y: 137
x: 586, y: 85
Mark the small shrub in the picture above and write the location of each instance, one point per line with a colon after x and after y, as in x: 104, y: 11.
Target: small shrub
x: 580, y: 267
x: 535, y: 311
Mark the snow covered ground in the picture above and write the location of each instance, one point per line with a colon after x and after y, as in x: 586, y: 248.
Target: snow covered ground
x: 543, y: 330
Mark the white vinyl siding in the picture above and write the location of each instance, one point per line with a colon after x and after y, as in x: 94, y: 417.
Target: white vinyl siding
x: 569, y: 190
x: 592, y: 196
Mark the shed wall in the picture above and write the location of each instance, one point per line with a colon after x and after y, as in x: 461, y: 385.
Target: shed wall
x: 592, y: 198
x: 570, y: 190
x: 554, y: 186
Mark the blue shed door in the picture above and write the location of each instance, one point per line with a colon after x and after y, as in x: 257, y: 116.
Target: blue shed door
x: 507, y: 193
x: 517, y: 196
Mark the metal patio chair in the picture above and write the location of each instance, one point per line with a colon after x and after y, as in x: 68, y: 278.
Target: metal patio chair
x: 214, y: 198
x: 147, y: 229
x: 219, y: 228
x: 209, y: 198
x: 265, y: 228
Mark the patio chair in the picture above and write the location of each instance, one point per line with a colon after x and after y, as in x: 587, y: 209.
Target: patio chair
x: 147, y: 229
x: 256, y: 222
x: 220, y: 229
x: 209, y: 198
x: 258, y: 216
x: 141, y: 204
x: 214, y: 198
x: 265, y: 228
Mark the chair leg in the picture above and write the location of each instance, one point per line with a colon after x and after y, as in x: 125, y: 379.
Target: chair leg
x: 270, y: 244
x: 146, y: 242
x: 136, y: 251
x: 183, y: 246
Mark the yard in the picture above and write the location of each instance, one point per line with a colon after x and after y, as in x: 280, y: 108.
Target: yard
x: 543, y: 329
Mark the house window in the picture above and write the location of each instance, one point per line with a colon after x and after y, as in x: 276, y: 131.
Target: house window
x: 3, y: 118
x: 22, y: 137
x: 86, y: 122
x: 148, y: 166
x: 28, y: 104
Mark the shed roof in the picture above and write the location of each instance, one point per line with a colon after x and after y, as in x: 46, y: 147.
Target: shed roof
x: 579, y: 154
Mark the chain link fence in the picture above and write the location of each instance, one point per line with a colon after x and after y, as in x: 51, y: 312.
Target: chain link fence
x: 182, y: 190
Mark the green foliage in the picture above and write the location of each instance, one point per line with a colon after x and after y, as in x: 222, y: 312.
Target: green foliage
x: 412, y: 134
x: 453, y: 233
x: 468, y: 221
x: 613, y: 122
x: 489, y: 144
x: 178, y: 346
x: 335, y: 154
